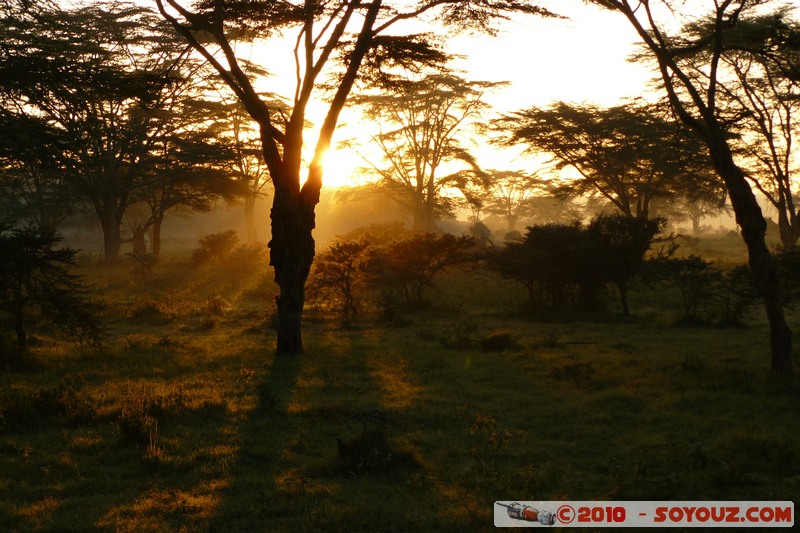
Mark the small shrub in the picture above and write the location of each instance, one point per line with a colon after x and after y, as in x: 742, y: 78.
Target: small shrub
x: 372, y: 452
x: 214, y: 246
x: 699, y: 283
x: 500, y: 341
x: 23, y: 408
x: 459, y: 336
x: 581, y: 373
x: 404, y: 270
x: 141, y: 409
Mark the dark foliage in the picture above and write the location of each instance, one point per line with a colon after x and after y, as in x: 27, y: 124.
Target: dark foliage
x: 214, y: 246
x: 562, y: 263
x: 621, y: 244
x: 34, y: 275
x: 709, y: 294
x: 405, y: 269
x: 338, y: 275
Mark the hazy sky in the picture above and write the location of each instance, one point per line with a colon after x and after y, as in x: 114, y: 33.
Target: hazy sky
x: 582, y: 58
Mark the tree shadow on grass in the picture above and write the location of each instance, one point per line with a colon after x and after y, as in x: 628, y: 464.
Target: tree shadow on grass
x: 246, y: 501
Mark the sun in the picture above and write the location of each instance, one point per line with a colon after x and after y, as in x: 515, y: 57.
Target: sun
x: 341, y: 168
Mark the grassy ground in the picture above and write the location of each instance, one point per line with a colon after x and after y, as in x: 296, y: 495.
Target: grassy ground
x: 185, y: 421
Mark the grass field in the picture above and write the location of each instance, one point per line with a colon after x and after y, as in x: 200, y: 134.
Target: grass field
x: 186, y: 421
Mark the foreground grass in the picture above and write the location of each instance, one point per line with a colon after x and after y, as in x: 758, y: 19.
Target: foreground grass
x: 185, y: 421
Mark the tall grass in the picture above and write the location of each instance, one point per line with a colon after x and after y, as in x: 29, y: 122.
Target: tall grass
x: 187, y: 421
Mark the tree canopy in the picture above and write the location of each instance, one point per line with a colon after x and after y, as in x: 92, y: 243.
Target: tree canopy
x: 109, y: 84
x: 630, y: 155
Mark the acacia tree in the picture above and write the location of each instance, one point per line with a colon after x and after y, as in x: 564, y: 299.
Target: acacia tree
x: 763, y: 52
x: 34, y: 274
x: 629, y: 155
x: 425, y: 117
x: 515, y: 195
x: 248, y: 166
x: 34, y: 174
x: 691, y: 71
x: 322, y: 38
x: 104, y: 77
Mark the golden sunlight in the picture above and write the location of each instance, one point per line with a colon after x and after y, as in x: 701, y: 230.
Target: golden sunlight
x: 341, y: 167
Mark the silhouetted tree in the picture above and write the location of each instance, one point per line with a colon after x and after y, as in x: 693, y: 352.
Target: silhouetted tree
x: 406, y: 268
x: 338, y: 275
x: 551, y: 261
x: 763, y: 53
x: 621, y: 244
x: 514, y: 195
x: 322, y: 40
x: 423, y: 118
x: 698, y: 280
x: 110, y: 79
x: 34, y: 275
x: 189, y: 167
x: 629, y: 155
x: 34, y: 172
x: 692, y: 71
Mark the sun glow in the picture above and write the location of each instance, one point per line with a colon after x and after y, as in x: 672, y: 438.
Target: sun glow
x: 340, y: 167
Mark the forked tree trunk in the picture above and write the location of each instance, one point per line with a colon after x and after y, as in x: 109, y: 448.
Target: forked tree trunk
x: 754, y: 229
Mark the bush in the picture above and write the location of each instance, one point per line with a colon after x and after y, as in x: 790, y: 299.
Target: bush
x: 699, y: 282
x: 34, y: 275
x: 214, y: 246
x: 405, y: 269
x: 338, y: 276
x: 558, y: 263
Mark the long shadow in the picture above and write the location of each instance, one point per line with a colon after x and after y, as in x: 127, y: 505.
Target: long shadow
x: 262, y: 436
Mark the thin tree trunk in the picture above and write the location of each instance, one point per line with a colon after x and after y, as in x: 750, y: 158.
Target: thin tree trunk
x: 139, y: 243
x: 250, y: 218
x: 754, y: 229
x: 19, y: 327
x: 623, y: 297
x: 155, y: 243
x: 787, y: 233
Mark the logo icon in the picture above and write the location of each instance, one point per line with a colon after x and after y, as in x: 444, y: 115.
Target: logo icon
x: 529, y: 514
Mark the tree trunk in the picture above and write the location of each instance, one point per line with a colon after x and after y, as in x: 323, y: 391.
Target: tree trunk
x: 787, y: 233
x: 112, y: 242
x: 695, y: 224
x: 155, y: 240
x: 139, y: 242
x: 623, y: 297
x: 250, y: 218
x: 512, y: 222
x: 19, y: 327
x: 754, y: 228
x: 291, y: 255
